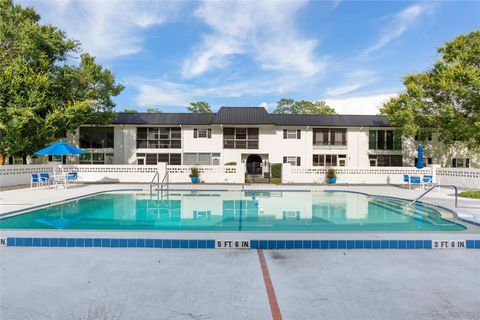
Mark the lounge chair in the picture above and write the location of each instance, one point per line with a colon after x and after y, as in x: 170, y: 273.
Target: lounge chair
x: 45, y: 178
x: 414, y: 180
x: 72, y: 177
x: 406, y: 180
x: 35, y: 179
x: 428, y: 180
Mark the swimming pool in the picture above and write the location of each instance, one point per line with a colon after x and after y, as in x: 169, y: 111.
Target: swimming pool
x: 235, y: 211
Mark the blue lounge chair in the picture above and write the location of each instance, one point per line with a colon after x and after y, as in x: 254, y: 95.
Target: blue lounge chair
x: 406, y: 180
x: 35, y: 179
x: 415, y: 180
x: 45, y: 178
x: 72, y: 177
x: 428, y: 180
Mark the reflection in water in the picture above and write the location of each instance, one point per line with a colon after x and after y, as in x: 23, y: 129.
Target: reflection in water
x: 236, y: 211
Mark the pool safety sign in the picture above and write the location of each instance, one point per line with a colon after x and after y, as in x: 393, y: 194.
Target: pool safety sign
x: 448, y: 244
x: 232, y: 244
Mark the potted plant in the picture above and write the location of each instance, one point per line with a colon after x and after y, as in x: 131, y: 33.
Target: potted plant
x: 331, y: 176
x: 194, y: 174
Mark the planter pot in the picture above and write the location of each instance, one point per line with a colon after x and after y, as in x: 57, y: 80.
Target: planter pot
x: 332, y: 180
x: 194, y: 179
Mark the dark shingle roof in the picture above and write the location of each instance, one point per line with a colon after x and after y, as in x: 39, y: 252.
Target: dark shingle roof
x: 251, y: 116
x: 242, y: 115
x: 163, y: 118
x: 330, y: 120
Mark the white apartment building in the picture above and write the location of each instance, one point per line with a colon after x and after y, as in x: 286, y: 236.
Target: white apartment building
x: 253, y: 136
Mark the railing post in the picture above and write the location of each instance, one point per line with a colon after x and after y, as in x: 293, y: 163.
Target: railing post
x: 456, y: 196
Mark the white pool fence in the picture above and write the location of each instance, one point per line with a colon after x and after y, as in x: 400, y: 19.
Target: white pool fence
x: 21, y: 174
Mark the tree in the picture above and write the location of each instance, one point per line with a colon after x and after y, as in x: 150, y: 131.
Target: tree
x: 153, y: 110
x: 46, y: 89
x: 290, y: 106
x: 444, y: 99
x: 129, y: 111
x: 199, y: 107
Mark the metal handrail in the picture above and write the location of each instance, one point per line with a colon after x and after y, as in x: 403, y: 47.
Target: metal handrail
x: 165, y: 180
x: 160, y: 185
x: 157, y: 175
x: 438, y: 185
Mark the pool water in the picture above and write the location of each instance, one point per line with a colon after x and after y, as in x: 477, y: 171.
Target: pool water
x: 235, y: 211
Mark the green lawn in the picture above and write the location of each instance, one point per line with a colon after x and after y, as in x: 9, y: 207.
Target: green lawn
x: 470, y: 194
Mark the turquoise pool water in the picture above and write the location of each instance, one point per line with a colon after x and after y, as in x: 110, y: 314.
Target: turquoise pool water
x: 235, y: 211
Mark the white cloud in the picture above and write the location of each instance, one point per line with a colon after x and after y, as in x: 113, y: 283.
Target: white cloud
x: 168, y: 93
x: 106, y: 29
x: 264, y: 31
x: 399, y: 23
x: 160, y: 92
x: 339, y: 91
x: 359, y: 105
x: 354, y: 80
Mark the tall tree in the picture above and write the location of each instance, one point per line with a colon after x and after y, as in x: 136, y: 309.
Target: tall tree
x: 444, y: 99
x: 285, y: 106
x: 46, y: 89
x: 199, y: 107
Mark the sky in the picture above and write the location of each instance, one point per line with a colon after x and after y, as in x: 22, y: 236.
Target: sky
x: 352, y: 54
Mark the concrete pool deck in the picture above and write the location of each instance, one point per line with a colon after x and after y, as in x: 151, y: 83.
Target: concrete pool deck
x: 94, y: 283
x: 148, y: 283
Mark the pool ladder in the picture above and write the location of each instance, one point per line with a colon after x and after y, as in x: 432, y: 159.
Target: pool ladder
x: 161, y: 186
x: 438, y: 186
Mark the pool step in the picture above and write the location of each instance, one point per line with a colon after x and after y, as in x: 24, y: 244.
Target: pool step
x: 428, y: 214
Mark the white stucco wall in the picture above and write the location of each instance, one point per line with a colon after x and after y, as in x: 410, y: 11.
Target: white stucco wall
x: 273, y: 147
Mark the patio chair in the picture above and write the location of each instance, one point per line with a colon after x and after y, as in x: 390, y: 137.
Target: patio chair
x: 414, y: 180
x: 45, y: 178
x: 35, y: 179
x: 406, y: 180
x: 428, y: 180
x: 72, y: 177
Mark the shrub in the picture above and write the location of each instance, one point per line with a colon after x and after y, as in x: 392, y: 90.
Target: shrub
x: 233, y: 163
x: 277, y: 170
x: 194, y: 172
x: 276, y: 180
x: 331, y: 173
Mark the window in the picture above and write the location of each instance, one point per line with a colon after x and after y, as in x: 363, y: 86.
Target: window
x: 159, y: 138
x: 385, y: 160
x: 329, y: 160
x: 318, y: 160
x: 96, y: 158
x: 152, y: 159
x: 201, y: 159
x: 202, y: 133
x: 460, y: 163
x: 423, y: 136
x: 96, y: 137
x: 294, y: 161
x: 332, y: 137
x: 426, y: 161
x: 240, y: 138
x: 384, y: 140
x: 291, y: 134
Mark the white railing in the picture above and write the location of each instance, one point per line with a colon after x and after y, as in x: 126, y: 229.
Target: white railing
x: 466, y: 178
x: 367, y: 175
x: 21, y: 174
x: 209, y: 174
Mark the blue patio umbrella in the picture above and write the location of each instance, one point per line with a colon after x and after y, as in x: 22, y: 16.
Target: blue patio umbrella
x: 59, y: 148
x: 419, y: 163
